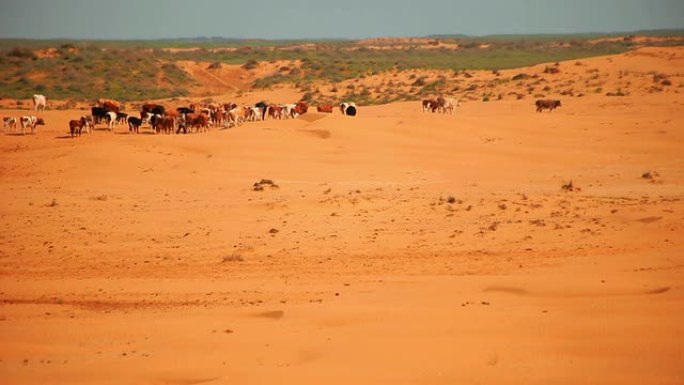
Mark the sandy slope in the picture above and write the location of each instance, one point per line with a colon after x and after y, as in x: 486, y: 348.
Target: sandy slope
x: 148, y: 259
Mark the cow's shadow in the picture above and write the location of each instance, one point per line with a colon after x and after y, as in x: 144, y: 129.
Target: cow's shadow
x: 135, y: 133
x: 18, y: 134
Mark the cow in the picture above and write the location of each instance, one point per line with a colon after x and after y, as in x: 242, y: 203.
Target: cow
x: 165, y: 124
x: 300, y: 109
x: 209, y: 113
x: 445, y: 105
x: 263, y: 106
x: 428, y: 103
x: 275, y: 112
x: 30, y: 121
x: 9, y: 122
x: 547, y: 103
x: 253, y: 114
x: 121, y: 117
x: 88, y: 119
x: 154, y: 121
x: 111, y: 119
x: 325, y: 108
x: 185, y: 110
x: 213, y: 106
x: 134, y: 124
x: 153, y: 108
x: 231, y: 117
x: 99, y: 114
x: 109, y: 105
x: 288, y: 110
x: 76, y: 126
x: 200, y: 121
x: 158, y: 110
x: 39, y: 102
x: 229, y: 106
x: 348, y: 108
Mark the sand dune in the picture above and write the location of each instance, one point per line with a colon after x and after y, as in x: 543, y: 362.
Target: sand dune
x: 398, y: 246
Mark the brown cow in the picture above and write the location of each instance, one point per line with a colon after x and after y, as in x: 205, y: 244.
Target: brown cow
x: 76, y: 126
x: 109, y: 105
x: 165, y: 124
x: 275, y: 112
x: 325, y: 108
x: 547, y: 103
x: 300, y: 108
x: 201, y: 121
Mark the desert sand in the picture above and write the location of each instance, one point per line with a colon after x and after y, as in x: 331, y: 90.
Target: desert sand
x: 398, y: 247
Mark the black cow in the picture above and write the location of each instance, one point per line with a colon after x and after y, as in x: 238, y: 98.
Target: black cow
x: 99, y: 114
x: 158, y: 110
x: 134, y: 124
x: 121, y: 117
x: 185, y: 110
x: 264, y: 108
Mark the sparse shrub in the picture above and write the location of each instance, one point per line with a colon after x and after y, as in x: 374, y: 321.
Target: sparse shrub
x: 250, y: 65
x: 658, y: 77
x: 22, y: 53
x: 420, y: 82
x: 616, y: 93
x: 215, y: 66
x: 650, y: 175
x: 569, y: 187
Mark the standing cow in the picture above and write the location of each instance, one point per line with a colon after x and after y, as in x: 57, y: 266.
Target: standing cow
x: 9, y: 122
x: 30, y: 121
x: 543, y: 104
x: 39, y: 102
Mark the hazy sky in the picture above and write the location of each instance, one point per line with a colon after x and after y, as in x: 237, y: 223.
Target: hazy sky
x: 284, y: 19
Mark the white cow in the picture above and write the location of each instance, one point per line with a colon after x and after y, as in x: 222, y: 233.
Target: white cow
x: 88, y: 123
x: 256, y: 113
x: 9, y: 122
x: 30, y: 121
x: 445, y: 105
x: 111, y: 117
x: 39, y: 102
x: 231, y: 117
x: 289, y: 110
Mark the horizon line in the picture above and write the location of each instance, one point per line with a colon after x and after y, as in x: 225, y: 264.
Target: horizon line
x: 432, y: 35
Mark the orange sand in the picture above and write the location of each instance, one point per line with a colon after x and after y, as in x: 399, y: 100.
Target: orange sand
x: 142, y: 259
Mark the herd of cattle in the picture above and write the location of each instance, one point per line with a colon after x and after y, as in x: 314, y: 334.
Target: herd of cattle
x: 199, y: 117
